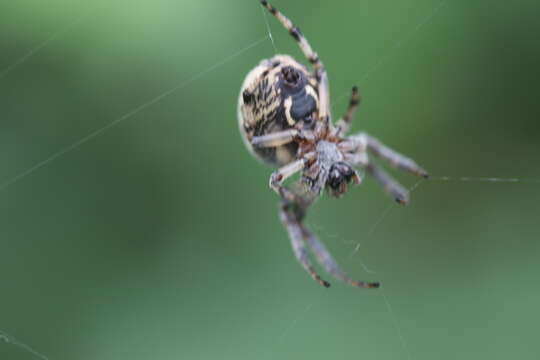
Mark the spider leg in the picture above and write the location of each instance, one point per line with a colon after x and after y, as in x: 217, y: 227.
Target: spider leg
x: 311, y: 55
x: 344, y: 123
x: 391, y: 186
x: 295, y: 32
x: 274, y: 139
x: 327, y: 261
x: 324, y: 98
x: 281, y: 138
x: 294, y: 228
x: 355, y: 149
x: 279, y: 176
x: 382, y: 151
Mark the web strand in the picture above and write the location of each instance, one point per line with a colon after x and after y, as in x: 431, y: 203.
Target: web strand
x: 129, y: 114
x: 404, y: 41
x: 382, y: 217
x: 397, y: 45
x: 485, y: 179
x: 268, y: 28
x: 396, y: 324
x: 385, y: 213
x: 11, y: 340
x: 98, y: 132
x: 295, y: 321
x: 38, y: 47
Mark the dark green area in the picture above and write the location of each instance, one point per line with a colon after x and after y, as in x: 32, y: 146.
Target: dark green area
x: 159, y: 238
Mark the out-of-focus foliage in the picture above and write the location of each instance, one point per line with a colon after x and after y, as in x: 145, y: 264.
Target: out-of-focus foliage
x: 159, y: 238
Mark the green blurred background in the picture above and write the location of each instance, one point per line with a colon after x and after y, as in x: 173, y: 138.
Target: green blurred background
x: 159, y: 238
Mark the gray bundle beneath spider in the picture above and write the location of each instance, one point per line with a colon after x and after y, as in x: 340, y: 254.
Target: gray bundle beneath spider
x: 284, y: 118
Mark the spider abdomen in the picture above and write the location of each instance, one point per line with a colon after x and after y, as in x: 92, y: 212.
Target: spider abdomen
x: 277, y: 95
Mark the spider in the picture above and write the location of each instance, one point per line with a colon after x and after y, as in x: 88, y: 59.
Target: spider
x: 284, y: 119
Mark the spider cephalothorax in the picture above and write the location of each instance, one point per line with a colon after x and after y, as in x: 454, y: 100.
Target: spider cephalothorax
x: 284, y: 118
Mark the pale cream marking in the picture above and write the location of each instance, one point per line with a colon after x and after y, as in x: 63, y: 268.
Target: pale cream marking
x: 313, y: 93
x: 288, y: 105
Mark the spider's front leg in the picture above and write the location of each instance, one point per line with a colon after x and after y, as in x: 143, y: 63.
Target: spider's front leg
x: 395, y: 159
x: 292, y: 210
x: 356, y: 148
x: 388, y: 183
x: 291, y: 214
x: 296, y: 234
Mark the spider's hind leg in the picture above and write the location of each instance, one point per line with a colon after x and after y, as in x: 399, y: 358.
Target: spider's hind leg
x: 295, y: 32
x: 311, y: 55
x: 343, y: 125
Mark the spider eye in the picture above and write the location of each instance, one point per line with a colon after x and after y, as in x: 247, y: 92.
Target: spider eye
x: 247, y: 97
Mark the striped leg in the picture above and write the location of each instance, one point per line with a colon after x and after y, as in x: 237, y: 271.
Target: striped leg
x: 313, y: 58
x: 297, y: 35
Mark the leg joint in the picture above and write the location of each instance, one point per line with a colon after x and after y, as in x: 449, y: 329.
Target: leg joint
x: 295, y: 33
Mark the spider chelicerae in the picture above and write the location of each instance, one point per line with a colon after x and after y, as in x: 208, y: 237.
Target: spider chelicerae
x: 284, y: 118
